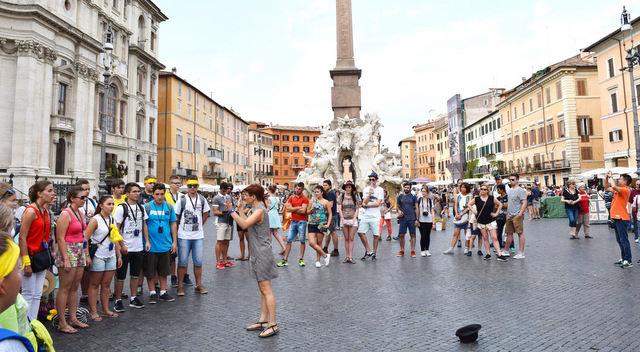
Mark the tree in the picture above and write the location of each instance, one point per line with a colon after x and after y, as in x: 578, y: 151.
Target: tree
x: 471, y: 164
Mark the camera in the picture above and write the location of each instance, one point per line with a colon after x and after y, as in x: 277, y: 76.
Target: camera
x: 425, y: 213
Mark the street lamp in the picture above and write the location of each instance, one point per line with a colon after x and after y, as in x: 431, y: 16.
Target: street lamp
x: 291, y: 171
x: 107, y: 62
x: 259, y: 151
x: 633, y: 58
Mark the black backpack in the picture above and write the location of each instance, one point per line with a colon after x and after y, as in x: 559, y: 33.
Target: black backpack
x: 125, y: 213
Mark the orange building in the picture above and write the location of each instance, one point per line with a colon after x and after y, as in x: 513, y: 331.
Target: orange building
x: 425, y: 150
x: 290, y: 146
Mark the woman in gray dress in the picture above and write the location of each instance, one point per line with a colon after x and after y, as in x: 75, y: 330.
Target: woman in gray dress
x: 261, y: 262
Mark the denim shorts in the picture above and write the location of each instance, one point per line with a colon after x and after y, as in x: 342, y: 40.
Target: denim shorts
x: 370, y: 223
x: 184, y: 246
x: 104, y: 264
x: 298, y: 228
x: 407, y: 224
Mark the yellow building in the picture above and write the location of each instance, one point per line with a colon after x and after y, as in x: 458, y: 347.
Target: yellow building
x: 616, y: 113
x: 443, y: 158
x: 548, y: 123
x: 425, y: 150
x: 408, y: 158
x: 198, y: 136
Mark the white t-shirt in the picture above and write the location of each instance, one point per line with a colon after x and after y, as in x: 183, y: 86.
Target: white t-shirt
x: 378, y: 193
x: 88, y: 210
x: 190, y: 227
x: 425, y: 206
x: 132, y: 223
x: 105, y: 250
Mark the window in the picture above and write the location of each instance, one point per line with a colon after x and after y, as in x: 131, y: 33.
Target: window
x: 611, y: 70
x: 305, y: 149
x: 550, y: 132
x: 285, y: 137
x: 581, y: 87
x: 197, y: 145
x: 179, y: 107
x: 179, y: 88
x: 179, y: 139
x: 62, y: 98
x: 523, y: 111
x: 533, y: 137
x: 508, y: 115
x: 140, y: 81
x: 586, y: 153
x: 541, y: 134
x: 547, y: 95
x: 276, y: 173
x: 305, y: 138
x: 189, y: 112
x: 525, y: 139
x: 286, y: 172
x: 296, y: 138
x: 585, y: 128
x: 509, y: 146
x: 517, y: 142
x: 530, y: 104
x: 560, y: 128
x: 296, y: 149
x: 286, y: 161
x: 515, y: 112
x: 558, y: 90
x: 139, y: 123
x: 285, y: 149
x: 275, y: 161
x: 276, y: 148
x: 315, y: 138
x: 189, y: 142
x: 189, y: 94
x: 152, y: 88
x: 276, y: 137
x: 150, y: 131
x: 615, y: 135
x: 614, y: 102
x: 539, y: 99
x: 111, y: 109
x: 153, y: 41
x: 123, y: 116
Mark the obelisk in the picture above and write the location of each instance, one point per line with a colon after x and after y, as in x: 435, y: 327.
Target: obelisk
x: 345, y: 93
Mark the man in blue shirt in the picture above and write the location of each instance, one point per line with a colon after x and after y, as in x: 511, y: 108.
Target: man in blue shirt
x: 407, y: 206
x: 161, y: 240
x: 333, y: 200
x: 535, y: 201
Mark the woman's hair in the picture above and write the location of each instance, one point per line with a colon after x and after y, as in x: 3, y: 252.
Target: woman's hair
x: 354, y: 192
x: 73, y: 193
x: 6, y: 221
x: 581, y: 184
x: 570, y: 182
x: 272, y: 188
x: 37, y: 187
x: 102, y: 200
x: 255, y: 190
x: 425, y: 187
x: 501, y: 187
x: 4, y: 190
x: 324, y: 193
x: 466, y: 187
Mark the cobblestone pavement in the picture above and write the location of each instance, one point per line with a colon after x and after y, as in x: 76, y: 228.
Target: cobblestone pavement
x: 565, y: 296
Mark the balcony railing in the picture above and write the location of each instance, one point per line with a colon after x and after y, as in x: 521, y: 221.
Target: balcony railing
x: 298, y: 166
x: 215, y: 156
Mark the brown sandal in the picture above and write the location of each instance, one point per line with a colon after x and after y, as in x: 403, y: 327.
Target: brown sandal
x: 109, y: 313
x: 78, y: 324
x: 96, y: 317
x: 67, y: 329
x: 274, y: 330
x: 259, y: 325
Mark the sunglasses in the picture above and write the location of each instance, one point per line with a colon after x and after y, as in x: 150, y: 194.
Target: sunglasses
x: 373, y: 179
x: 192, y: 186
x: 483, y: 189
x: 9, y: 192
x: 512, y: 179
x: 83, y: 197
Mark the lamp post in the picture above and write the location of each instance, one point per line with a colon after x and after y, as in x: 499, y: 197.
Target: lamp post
x: 106, y: 61
x: 259, y: 151
x: 633, y: 58
x: 291, y: 170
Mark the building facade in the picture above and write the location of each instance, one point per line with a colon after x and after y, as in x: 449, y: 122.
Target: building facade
x: 53, y: 89
x: 443, y: 158
x: 483, y: 139
x: 548, y: 123
x: 260, y: 155
x: 613, y: 88
x: 198, y: 136
x: 292, y: 150
x: 425, y: 150
x: 408, y: 158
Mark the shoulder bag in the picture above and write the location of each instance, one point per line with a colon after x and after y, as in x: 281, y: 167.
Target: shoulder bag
x: 42, y: 260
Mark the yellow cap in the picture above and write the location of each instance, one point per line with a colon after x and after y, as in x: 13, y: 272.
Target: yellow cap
x: 193, y: 182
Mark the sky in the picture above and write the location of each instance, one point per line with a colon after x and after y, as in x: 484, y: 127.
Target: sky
x: 269, y: 60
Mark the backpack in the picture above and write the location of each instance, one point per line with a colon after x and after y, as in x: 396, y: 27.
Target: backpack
x: 413, y: 204
x: 125, y: 213
x: 183, y: 204
x: 8, y: 334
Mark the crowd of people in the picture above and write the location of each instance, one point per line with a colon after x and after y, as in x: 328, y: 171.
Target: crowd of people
x: 153, y: 232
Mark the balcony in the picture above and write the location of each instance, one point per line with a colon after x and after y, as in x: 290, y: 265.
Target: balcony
x: 298, y: 166
x: 490, y: 157
x: 484, y: 169
x: 262, y: 173
x: 215, y: 156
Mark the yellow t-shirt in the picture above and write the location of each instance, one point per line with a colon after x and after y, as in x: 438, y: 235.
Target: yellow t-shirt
x: 117, y: 202
x: 169, y: 198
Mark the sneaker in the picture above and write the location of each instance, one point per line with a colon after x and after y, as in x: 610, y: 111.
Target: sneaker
x: 466, y: 250
x: 201, y: 290
x: 327, y: 259
x: 282, y: 263
x: 165, y: 297
x: 366, y: 255
x: 505, y: 254
x: 413, y: 254
x: 389, y: 238
x: 186, y: 281
x: 318, y: 265
x: 174, y: 281
x: 140, y: 290
x: 153, y: 298
x: 180, y: 292
x: 469, y: 253
x: 396, y: 238
x: 124, y: 295
x: 448, y: 251
x: 626, y: 265
x: 229, y: 264
x: 428, y: 253
x: 502, y: 258
x: 118, y: 306
x: 519, y: 256
x: 135, y: 303
x: 335, y: 253
x: 374, y: 257
x: 636, y: 240
x: 618, y: 263
x: 487, y: 257
x: 401, y: 254
x: 423, y: 253
x: 220, y: 266
x: 512, y: 250
x: 301, y: 262
x: 480, y: 253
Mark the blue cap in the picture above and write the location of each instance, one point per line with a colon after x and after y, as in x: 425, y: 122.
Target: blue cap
x: 373, y: 174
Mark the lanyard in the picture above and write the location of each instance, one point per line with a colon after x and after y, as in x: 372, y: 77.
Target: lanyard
x: 86, y: 207
x: 78, y: 217
x: 134, y: 216
x: 175, y: 199
x: 160, y: 216
x: 193, y: 205
x: 105, y: 221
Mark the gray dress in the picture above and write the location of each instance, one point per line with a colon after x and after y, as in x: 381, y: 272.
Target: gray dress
x: 261, y: 263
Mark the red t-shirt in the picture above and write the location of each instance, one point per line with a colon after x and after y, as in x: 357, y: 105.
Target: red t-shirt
x: 619, y: 204
x: 584, y: 203
x: 296, y: 202
x: 39, y: 231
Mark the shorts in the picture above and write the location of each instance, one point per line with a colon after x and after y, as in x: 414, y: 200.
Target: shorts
x: 514, y: 225
x: 370, y: 223
x: 185, y: 246
x: 536, y: 203
x: 312, y: 228
x: 476, y: 231
x: 104, y: 264
x: 133, y: 258
x: 75, y: 251
x: 461, y: 226
x: 298, y: 228
x: 404, y: 224
x: 490, y: 226
x: 334, y: 223
x: 529, y: 203
x: 223, y: 231
x: 156, y: 263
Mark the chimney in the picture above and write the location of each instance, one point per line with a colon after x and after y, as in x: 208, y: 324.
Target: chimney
x: 174, y: 70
